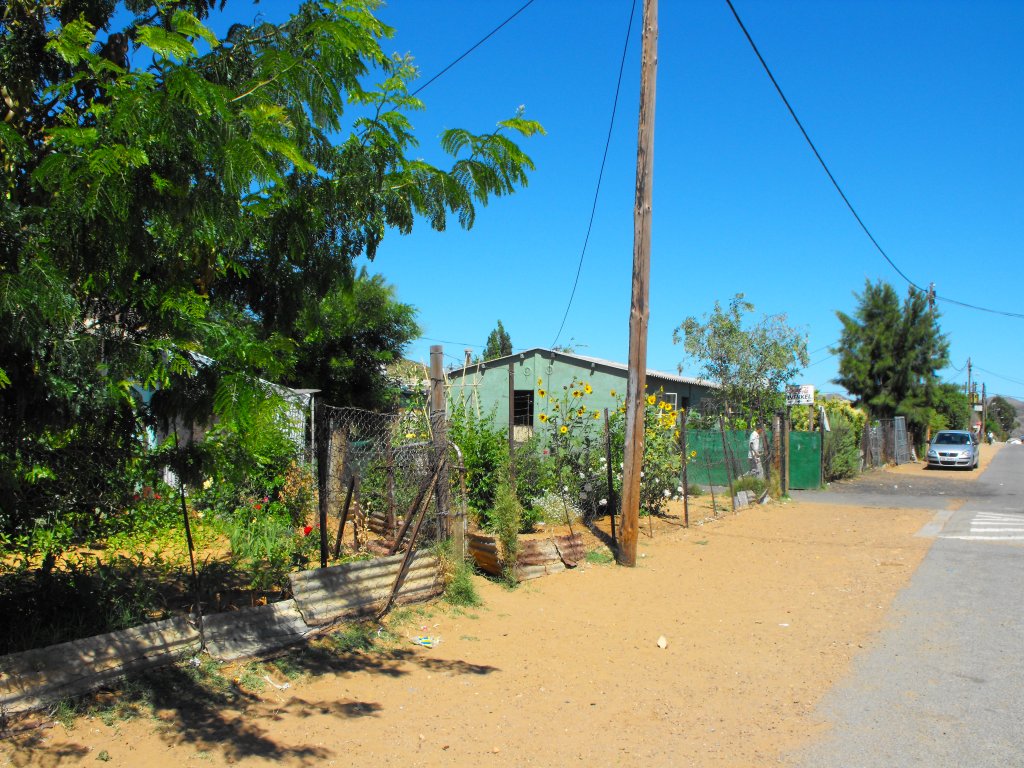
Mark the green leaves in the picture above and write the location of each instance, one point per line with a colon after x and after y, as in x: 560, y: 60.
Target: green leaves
x: 205, y: 200
x: 889, y: 354
x: 750, y: 365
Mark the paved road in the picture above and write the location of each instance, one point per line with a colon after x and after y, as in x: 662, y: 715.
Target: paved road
x: 943, y: 684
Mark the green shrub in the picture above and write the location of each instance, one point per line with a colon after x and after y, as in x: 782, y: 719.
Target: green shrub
x: 506, y: 519
x: 484, y: 449
x: 754, y: 485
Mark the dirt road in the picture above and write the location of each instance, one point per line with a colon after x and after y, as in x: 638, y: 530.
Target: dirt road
x: 761, y: 613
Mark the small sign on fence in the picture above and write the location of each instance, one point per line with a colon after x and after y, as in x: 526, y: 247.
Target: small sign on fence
x: 800, y: 394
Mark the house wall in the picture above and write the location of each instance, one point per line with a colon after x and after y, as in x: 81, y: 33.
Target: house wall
x: 488, y: 388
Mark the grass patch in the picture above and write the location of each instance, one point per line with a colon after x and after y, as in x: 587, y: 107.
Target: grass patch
x: 357, y: 637
x: 600, y: 557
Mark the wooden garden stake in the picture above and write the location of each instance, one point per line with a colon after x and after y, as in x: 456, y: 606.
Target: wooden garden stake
x: 344, y: 516
x: 389, y: 455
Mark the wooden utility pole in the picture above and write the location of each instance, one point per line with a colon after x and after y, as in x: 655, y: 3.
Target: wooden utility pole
x: 639, y: 310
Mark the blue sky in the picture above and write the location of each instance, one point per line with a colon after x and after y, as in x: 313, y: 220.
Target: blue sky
x: 915, y: 106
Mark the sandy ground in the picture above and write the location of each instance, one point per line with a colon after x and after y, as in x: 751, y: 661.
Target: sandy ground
x: 761, y: 614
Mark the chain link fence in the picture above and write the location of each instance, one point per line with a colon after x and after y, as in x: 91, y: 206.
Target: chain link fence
x: 381, y: 472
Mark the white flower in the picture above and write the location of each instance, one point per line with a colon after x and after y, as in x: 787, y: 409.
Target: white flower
x: 680, y: 489
x: 565, y: 489
x: 641, y: 474
x: 603, y: 503
x: 667, y: 493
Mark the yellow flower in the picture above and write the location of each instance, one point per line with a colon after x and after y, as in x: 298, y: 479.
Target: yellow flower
x: 410, y: 435
x: 614, y: 394
x: 587, y: 388
x: 540, y: 382
x: 543, y: 417
x: 575, y: 393
x: 541, y: 393
x: 563, y: 429
x: 555, y: 406
x: 597, y: 415
x: 652, y: 399
x: 581, y: 410
x: 693, y: 454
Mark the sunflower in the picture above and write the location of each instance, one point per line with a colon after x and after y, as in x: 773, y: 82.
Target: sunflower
x: 587, y: 388
x: 563, y: 429
x: 541, y: 393
x: 543, y: 418
x: 652, y: 399
x: 597, y: 415
x: 614, y: 394
x: 540, y: 382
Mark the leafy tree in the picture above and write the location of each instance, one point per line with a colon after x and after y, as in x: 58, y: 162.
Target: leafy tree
x: 348, y: 339
x: 952, y: 409
x: 1002, y: 415
x: 889, y: 354
x: 750, y: 365
x: 164, y: 193
x: 499, y: 343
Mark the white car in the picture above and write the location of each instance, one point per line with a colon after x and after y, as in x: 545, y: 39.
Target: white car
x: 1014, y: 441
x: 953, y: 448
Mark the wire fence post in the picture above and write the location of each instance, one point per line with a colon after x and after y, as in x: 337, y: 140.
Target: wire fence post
x: 685, y: 479
x: 608, y: 470
x: 725, y: 459
x: 439, y: 431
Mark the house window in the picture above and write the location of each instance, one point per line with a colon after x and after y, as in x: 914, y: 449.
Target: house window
x: 668, y: 397
x: 522, y: 408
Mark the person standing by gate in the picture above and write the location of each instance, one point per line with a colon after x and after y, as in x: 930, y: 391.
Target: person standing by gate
x: 754, y: 452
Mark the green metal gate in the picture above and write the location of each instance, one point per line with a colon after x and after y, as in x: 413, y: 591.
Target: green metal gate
x: 804, y: 460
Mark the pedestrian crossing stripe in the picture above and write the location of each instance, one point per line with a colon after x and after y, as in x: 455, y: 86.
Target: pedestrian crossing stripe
x: 992, y: 526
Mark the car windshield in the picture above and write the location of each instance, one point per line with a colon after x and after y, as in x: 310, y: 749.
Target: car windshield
x: 950, y: 438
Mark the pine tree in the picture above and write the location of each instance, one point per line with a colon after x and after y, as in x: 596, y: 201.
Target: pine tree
x: 889, y: 354
x: 499, y: 343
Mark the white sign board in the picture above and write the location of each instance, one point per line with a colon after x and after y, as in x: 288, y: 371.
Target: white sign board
x: 978, y: 407
x: 800, y: 394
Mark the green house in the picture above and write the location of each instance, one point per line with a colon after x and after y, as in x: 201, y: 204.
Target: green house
x: 484, y: 387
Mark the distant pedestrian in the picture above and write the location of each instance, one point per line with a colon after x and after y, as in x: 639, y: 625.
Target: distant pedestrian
x: 754, y: 452
x: 989, y: 436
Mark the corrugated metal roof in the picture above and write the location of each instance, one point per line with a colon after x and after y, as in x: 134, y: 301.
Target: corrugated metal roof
x: 651, y: 373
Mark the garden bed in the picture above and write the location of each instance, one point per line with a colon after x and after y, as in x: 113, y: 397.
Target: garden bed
x: 537, y: 556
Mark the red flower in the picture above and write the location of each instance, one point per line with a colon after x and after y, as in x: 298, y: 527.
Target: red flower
x: 266, y: 498
x: 156, y: 495
x: 257, y: 506
x: 307, y: 530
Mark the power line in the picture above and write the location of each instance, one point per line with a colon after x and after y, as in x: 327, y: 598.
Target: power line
x: 600, y: 173
x: 478, y: 44
x: 839, y: 189
x: 999, y: 375
x: 448, y: 341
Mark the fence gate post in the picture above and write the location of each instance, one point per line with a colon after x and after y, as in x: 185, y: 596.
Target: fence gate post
x: 439, y: 429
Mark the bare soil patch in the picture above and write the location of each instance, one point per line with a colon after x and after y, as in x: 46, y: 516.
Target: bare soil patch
x: 761, y: 612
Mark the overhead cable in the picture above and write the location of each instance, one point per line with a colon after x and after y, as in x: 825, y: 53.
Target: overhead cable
x: 600, y: 173
x: 839, y: 189
x: 473, y: 48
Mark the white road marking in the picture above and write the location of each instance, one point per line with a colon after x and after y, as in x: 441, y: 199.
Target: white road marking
x: 983, y: 524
